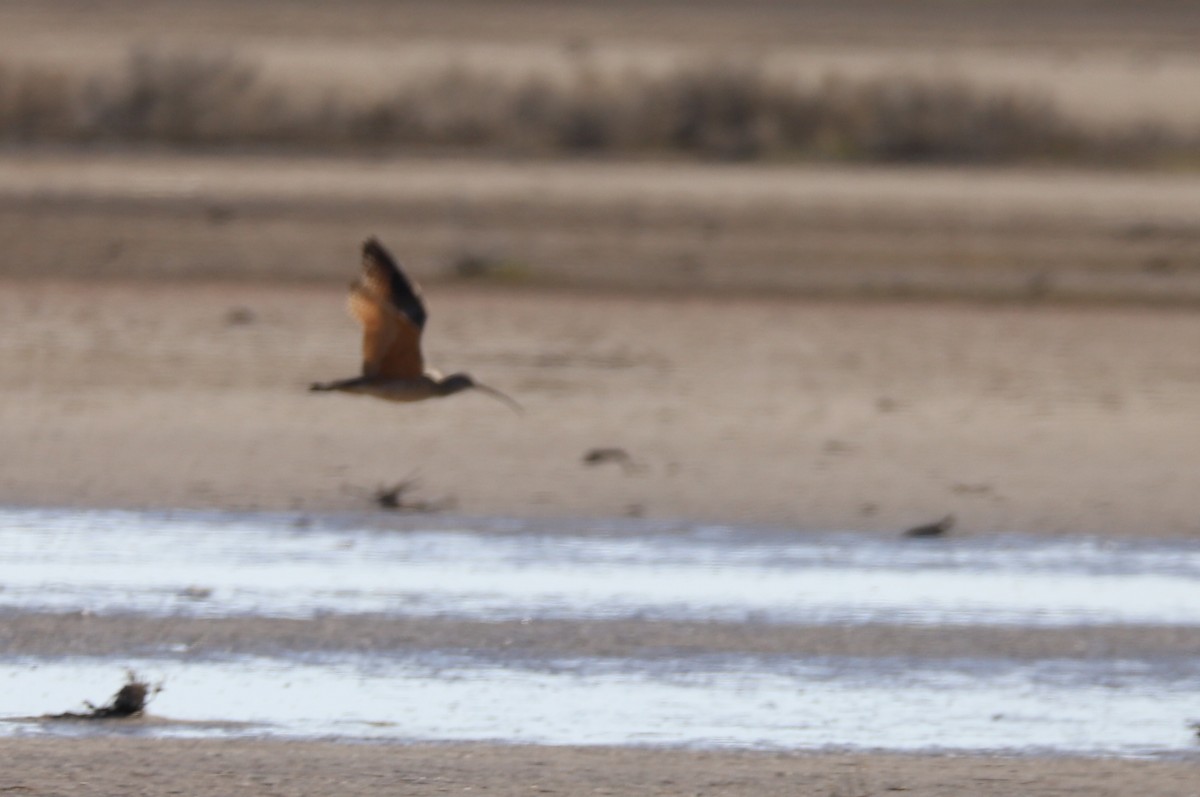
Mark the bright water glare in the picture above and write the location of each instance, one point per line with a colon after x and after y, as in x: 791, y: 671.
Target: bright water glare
x: 1090, y: 708
x: 155, y: 564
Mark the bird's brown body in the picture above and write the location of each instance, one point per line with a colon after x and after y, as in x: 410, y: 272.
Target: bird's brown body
x: 390, y: 308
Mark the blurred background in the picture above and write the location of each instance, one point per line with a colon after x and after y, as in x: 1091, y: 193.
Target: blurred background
x: 812, y: 146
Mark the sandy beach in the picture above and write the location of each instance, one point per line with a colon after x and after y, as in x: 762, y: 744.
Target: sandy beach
x: 804, y: 414
x: 133, y: 767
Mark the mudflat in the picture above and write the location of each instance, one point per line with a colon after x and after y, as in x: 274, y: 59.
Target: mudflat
x: 798, y: 230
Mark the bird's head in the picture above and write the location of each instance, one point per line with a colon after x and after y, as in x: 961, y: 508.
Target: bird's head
x: 456, y: 383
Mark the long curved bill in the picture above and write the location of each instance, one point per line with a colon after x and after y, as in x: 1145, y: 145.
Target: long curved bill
x: 494, y: 393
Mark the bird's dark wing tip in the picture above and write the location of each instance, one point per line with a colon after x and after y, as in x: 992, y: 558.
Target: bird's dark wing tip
x: 372, y: 248
x: 402, y: 291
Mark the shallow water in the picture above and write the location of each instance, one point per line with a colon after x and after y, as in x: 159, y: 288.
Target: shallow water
x: 1096, y: 708
x: 212, y: 565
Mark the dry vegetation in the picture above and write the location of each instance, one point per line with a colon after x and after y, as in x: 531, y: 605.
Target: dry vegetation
x: 730, y: 110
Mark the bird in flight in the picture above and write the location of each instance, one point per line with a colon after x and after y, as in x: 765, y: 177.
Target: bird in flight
x: 389, y: 306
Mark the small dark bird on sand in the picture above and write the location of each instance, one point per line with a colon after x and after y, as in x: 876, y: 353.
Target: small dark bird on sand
x: 389, y: 306
x: 935, y: 529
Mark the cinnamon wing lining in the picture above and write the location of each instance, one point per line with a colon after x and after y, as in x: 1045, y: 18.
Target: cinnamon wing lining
x: 391, y: 343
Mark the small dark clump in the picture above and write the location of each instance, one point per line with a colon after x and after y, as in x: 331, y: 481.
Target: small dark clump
x: 395, y: 497
x: 129, y: 701
x: 935, y: 529
x: 598, y: 456
x: 616, y: 456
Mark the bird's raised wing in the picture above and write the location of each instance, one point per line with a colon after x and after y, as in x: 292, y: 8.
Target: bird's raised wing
x: 389, y: 307
x: 384, y: 278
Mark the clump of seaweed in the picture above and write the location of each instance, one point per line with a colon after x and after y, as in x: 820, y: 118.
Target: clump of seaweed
x: 129, y: 701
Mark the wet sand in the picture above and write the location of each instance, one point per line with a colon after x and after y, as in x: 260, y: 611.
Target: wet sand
x: 106, y: 766
x: 75, y: 634
x: 674, y: 228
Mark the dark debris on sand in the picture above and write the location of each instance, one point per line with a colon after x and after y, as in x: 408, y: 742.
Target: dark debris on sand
x: 935, y: 529
x: 396, y: 497
x: 618, y: 456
